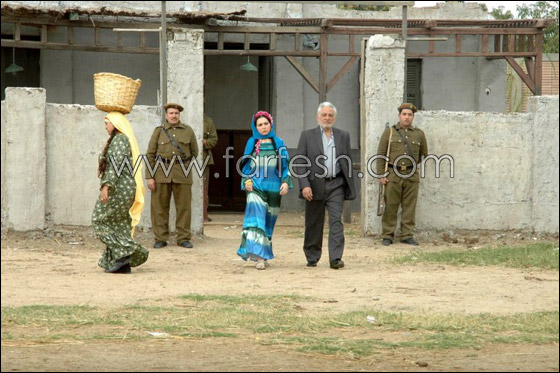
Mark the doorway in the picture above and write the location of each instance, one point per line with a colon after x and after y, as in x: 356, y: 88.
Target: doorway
x: 231, y: 97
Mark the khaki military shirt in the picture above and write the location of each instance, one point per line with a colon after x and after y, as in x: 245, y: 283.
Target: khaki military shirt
x: 418, y: 144
x: 160, y: 146
x: 211, y: 137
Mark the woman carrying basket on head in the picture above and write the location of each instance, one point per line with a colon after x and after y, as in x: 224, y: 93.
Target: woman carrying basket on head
x: 121, y: 200
x: 266, y: 180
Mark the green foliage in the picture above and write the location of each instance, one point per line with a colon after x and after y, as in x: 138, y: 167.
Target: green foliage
x: 541, y: 255
x: 543, y: 10
x: 278, y: 320
x: 501, y: 13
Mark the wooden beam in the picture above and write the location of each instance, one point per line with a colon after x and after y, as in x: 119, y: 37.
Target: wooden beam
x: 142, y: 40
x: 272, y: 41
x: 457, y: 43
x: 74, y: 47
x: 511, y: 43
x: 530, y: 65
x: 220, y: 41
x: 526, y: 79
x: 17, y: 31
x: 303, y: 72
x: 472, y: 54
x: 341, y: 72
x: 323, y: 60
x: 43, y: 33
x: 497, y: 43
x: 538, y: 65
x: 70, y: 35
x: 484, y: 43
x: 260, y: 52
x: 297, y: 45
x: 246, y: 42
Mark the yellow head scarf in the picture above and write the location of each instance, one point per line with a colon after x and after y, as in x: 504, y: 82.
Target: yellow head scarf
x: 121, y: 123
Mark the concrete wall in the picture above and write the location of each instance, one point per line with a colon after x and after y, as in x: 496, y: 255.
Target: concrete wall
x: 499, y: 181
x: 24, y: 171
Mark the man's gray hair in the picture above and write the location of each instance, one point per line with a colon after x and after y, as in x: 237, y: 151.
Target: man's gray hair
x: 326, y: 104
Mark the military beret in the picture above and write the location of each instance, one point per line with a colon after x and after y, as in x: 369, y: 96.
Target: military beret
x: 173, y: 106
x: 408, y: 106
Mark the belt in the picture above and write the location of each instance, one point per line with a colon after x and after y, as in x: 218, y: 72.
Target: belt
x: 168, y: 161
x: 331, y: 178
x: 401, y: 168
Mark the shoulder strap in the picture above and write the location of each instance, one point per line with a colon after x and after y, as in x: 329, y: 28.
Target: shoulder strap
x: 404, y: 139
x: 174, y: 143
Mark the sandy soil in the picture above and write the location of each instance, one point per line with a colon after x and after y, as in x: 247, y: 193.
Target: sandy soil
x: 59, y: 266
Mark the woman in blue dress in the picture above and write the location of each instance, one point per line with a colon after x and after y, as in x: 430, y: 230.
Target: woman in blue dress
x: 265, y: 179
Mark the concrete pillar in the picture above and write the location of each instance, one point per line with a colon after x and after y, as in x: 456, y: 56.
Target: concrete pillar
x: 185, y: 86
x: 544, y: 168
x: 25, y: 165
x: 382, y: 95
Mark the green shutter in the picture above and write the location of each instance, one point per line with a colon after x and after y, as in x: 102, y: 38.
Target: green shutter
x: 413, y: 82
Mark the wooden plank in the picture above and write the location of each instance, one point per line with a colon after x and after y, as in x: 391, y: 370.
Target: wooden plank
x: 257, y: 52
x: 436, y: 31
x: 343, y: 54
x: 497, y: 43
x: 484, y: 43
x: 220, y: 41
x: 351, y: 45
x: 530, y: 65
x: 142, y: 40
x: 77, y: 47
x: 511, y: 43
x: 272, y: 41
x: 341, y: 72
x: 531, y: 43
x: 431, y: 46
x: 521, y: 43
x: 538, y: 65
x: 70, y: 34
x: 323, y: 60
x: 526, y: 78
x: 246, y: 42
x: 472, y: 54
x: 43, y: 33
x: 457, y: 43
x: 304, y: 73
x: 17, y: 31
x: 297, y: 45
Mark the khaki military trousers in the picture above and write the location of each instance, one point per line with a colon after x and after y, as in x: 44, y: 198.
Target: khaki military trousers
x: 160, y: 203
x: 402, y: 193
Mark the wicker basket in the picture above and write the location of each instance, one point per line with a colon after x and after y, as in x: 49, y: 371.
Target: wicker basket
x: 114, y: 92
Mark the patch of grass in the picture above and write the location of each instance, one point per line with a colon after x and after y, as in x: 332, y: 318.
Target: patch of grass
x: 275, y: 320
x: 539, y: 255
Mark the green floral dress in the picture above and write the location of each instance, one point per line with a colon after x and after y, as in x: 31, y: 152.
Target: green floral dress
x: 111, y: 220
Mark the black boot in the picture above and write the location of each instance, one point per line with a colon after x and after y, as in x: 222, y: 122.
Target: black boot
x: 119, y: 263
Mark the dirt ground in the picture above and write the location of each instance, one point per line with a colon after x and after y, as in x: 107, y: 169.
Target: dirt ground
x: 58, y: 266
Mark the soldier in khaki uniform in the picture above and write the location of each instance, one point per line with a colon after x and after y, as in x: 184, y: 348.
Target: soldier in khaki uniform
x: 401, y: 185
x: 209, y: 140
x: 178, y: 143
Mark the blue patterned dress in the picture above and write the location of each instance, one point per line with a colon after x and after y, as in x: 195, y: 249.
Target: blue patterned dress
x: 263, y: 203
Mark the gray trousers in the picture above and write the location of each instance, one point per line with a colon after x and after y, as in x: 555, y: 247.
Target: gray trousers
x: 315, y: 221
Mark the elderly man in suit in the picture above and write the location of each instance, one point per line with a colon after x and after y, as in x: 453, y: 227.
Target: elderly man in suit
x: 323, y: 166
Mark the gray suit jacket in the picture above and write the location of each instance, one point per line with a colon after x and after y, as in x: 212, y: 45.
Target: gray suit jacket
x: 311, y: 146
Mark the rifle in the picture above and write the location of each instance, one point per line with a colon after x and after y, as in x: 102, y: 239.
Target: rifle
x: 381, y: 195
